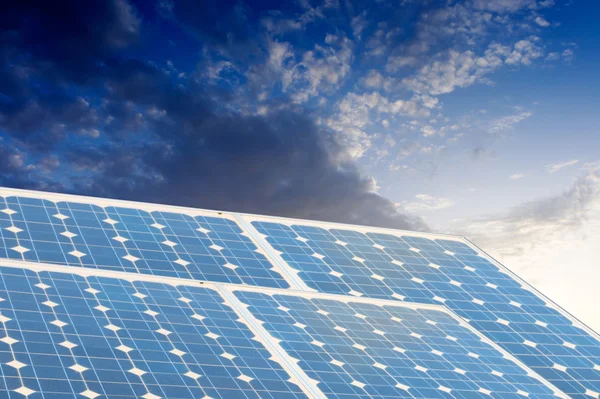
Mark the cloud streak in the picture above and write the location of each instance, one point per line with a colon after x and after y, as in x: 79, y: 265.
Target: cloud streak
x: 425, y: 202
x: 555, y: 167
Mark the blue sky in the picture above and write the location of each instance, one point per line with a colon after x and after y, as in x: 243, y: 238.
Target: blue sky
x: 473, y: 117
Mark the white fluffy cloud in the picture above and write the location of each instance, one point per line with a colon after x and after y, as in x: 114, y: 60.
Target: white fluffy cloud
x: 373, y: 80
x: 462, y: 69
x: 524, y: 52
x: 428, y: 130
x: 542, y: 22
x: 357, y: 112
x: 306, y: 75
x: 322, y: 68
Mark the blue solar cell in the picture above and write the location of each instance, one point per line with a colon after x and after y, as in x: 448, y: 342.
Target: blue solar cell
x: 64, y: 336
x: 132, y: 240
x: 448, y: 272
x: 360, y: 350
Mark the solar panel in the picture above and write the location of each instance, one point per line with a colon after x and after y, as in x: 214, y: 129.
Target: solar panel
x: 364, y: 349
x: 67, y: 336
x: 432, y: 269
x: 152, y: 240
x: 111, y: 299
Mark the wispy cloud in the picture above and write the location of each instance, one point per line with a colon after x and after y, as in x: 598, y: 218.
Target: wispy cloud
x: 425, y: 202
x: 555, y: 167
x: 516, y: 176
x: 507, y: 122
x: 551, y: 242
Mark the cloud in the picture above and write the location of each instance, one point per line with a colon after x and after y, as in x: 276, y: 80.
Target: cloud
x: 277, y: 164
x: 257, y: 121
x: 555, y: 167
x: 150, y: 136
x: 46, y: 119
x: 462, y: 69
x: 428, y: 131
x: 373, y: 80
x: 507, y: 122
x: 60, y: 40
x: 524, y: 52
x: 319, y: 70
x: 551, y: 243
x: 504, y: 6
x: 16, y: 167
x: 568, y: 55
x: 358, y: 24
x: 302, y: 18
x: 542, y: 22
x: 424, y: 202
x: 395, y: 63
x: 354, y: 118
x: 516, y: 176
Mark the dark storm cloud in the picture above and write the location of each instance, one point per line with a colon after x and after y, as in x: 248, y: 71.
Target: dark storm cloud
x: 45, y: 47
x: 47, y: 117
x: 227, y: 24
x: 281, y: 163
x: 122, y: 127
x: 67, y: 39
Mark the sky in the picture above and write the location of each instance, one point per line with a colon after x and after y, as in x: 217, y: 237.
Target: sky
x: 471, y: 117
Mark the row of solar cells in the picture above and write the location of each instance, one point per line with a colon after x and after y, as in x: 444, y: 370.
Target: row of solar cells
x: 347, y: 262
x: 64, y: 336
x: 132, y: 240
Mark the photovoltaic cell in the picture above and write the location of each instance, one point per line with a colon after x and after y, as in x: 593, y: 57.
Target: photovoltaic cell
x: 63, y: 336
x: 132, y: 240
x: 450, y: 273
x: 364, y: 350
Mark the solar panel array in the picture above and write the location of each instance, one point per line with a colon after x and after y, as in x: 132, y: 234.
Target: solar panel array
x: 65, y: 336
x: 112, y: 299
x: 450, y: 273
x: 171, y: 244
x: 357, y: 350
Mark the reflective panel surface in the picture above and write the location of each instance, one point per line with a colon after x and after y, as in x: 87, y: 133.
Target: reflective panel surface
x: 358, y: 350
x: 132, y: 240
x: 449, y: 273
x: 67, y: 337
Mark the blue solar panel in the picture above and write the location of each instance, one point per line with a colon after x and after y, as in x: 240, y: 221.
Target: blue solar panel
x: 132, y: 240
x: 63, y: 336
x: 443, y: 271
x: 366, y: 350
x: 45, y: 314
